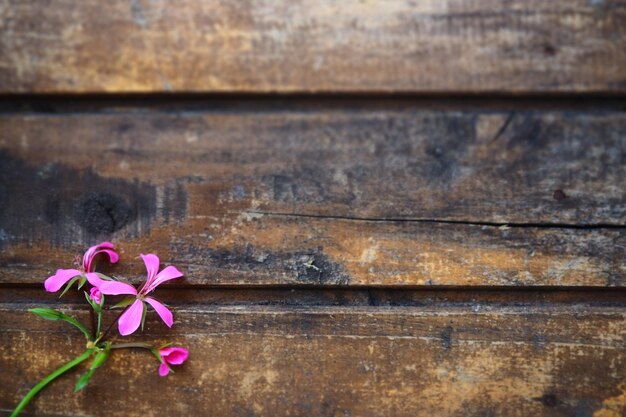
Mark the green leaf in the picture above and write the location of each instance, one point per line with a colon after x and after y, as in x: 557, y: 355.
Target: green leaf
x: 47, y: 313
x: 69, y: 285
x: 50, y: 314
x: 100, y: 358
x: 125, y: 302
x: 83, y: 381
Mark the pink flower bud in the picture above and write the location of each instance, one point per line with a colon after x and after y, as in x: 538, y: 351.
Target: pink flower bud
x: 95, y: 295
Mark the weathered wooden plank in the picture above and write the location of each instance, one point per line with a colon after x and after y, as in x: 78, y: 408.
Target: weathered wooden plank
x: 313, y: 46
x: 275, y: 361
x: 266, y: 251
x: 343, y: 197
x: 520, y: 167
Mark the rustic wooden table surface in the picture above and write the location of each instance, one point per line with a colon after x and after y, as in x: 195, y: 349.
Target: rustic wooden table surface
x: 399, y: 208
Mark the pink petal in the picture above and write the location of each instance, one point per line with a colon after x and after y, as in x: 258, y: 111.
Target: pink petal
x: 131, y: 319
x: 90, y: 254
x: 152, y: 266
x: 167, y: 274
x: 94, y: 279
x: 174, y: 355
x: 56, y: 281
x: 162, y: 311
x: 163, y: 369
x: 113, y: 256
x: 116, y: 288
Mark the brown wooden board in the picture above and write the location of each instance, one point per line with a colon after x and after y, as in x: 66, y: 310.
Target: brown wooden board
x: 319, y: 197
x: 313, y: 46
x: 515, y: 360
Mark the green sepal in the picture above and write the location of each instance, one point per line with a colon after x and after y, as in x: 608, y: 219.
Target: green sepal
x: 96, y: 307
x: 88, y: 299
x: 143, y: 315
x: 125, y: 302
x: 106, y: 277
x: 82, y: 281
x: 156, y: 353
x: 69, y: 285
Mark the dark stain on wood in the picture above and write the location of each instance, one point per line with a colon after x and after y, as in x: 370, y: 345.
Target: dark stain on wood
x: 446, y: 337
x: 317, y: 268
x: 307, y: 267
x: 102, y: 213
x: 548, y: 399
x: 51, y: 200
x: 559, y: 195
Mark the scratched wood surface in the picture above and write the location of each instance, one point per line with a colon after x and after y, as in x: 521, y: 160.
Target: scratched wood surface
x: 404, y: 197
x: 311, y: 45
x: 467, y: 359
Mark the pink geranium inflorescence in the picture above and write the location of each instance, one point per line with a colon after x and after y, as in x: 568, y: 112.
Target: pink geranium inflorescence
x: 62, y: 276
x: 171, y: 356
x: 131, y: 319
x: 99, y: 346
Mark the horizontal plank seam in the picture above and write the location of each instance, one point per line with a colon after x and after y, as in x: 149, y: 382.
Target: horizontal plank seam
x: 459, y: 338
x: 115, y: 103
x: 581, y: 289
x: 540, y: 225
x: 577, y: 308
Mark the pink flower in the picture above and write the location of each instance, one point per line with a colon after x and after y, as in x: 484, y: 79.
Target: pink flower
x: 56, y: 281
x: 131, y: 318
x: 95, y: 295
x: 171, y: 356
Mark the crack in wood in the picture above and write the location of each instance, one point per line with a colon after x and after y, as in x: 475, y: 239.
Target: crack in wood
x: 538, y: 225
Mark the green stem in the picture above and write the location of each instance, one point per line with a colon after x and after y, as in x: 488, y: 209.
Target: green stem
x: 92, y: 317
x: 132, y: 345
x: 79, y: 325
x: 42, y: 384
x: 99, y: 324
x: 106, y: 332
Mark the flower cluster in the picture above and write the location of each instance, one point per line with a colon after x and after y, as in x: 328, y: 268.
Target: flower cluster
x: 134, y: 305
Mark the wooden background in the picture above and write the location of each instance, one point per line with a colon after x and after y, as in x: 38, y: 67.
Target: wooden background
x: 402, y: 208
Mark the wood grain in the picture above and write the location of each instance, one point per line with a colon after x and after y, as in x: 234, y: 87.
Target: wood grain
x: 401, y: 361
x: 321, y: 198
x: 313, y: 46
